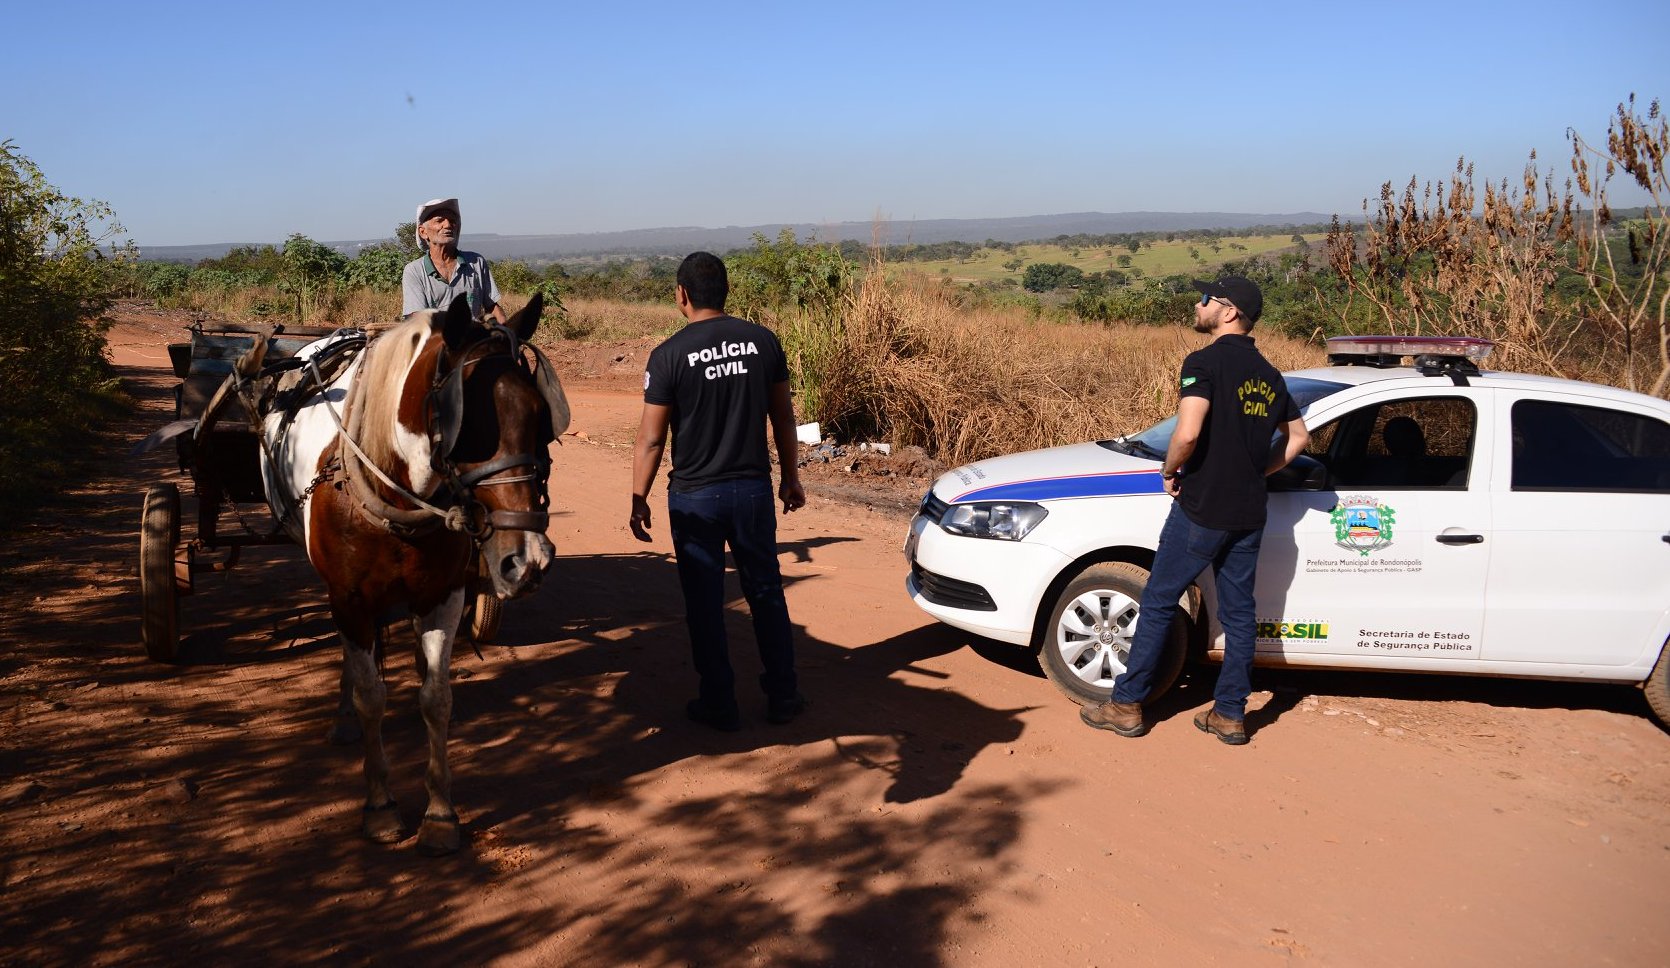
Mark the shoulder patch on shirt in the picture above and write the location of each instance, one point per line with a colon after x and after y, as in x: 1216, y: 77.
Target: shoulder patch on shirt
x: 1188, y: 381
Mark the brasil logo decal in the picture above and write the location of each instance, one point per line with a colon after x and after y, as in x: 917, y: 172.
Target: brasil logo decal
x: 1362, y: 524
x: 1275, y: 630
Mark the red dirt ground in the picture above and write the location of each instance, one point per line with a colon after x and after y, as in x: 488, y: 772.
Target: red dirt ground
x: 940, y: 803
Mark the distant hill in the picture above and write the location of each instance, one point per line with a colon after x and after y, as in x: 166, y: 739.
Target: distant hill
x: 679, y: 240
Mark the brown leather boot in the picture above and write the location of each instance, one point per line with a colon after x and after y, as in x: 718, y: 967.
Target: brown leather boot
x: 1124, y: 718
x: 1231, y: 731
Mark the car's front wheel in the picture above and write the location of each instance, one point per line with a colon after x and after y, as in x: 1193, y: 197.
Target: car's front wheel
x: 1087, y: 642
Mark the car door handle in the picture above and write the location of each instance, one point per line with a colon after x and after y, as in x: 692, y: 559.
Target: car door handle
x: 1461, y: 539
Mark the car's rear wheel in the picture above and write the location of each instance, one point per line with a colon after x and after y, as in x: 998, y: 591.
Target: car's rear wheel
x: 1657, y: 687
x: 1087, y: 642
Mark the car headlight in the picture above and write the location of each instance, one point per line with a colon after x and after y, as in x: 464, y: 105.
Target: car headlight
x: 1008, y: 520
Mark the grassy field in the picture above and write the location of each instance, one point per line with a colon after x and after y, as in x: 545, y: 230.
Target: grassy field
x: 1157, y: 259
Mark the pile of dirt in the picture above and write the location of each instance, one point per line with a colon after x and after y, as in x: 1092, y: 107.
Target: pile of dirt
x: 864, y: 474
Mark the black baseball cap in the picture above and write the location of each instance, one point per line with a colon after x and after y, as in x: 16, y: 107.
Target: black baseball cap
x: 1240, y: 291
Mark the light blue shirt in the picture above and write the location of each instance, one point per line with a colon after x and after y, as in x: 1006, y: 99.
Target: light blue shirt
x: 423, y: 288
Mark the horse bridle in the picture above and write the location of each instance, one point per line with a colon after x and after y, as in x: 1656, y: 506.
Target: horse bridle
x: 444, y: 415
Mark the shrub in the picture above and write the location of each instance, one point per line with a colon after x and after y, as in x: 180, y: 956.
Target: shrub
x: 377, y: 267
x: 54, y: 287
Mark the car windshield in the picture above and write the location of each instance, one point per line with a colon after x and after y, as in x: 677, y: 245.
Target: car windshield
x: 1152, y: 443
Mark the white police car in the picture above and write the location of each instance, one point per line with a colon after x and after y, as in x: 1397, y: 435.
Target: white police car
x: 1443, y: 519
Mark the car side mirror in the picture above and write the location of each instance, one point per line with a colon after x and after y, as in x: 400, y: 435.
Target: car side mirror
x: 1303, y: 473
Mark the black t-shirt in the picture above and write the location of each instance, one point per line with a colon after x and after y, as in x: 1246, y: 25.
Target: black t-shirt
x: 716, y: 375
x: 1223, y: 480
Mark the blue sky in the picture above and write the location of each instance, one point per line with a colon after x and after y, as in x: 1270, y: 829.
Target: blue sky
x: 231, y: 122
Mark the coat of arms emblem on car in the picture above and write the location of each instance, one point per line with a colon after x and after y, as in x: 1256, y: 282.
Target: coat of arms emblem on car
x: 1362, y: 524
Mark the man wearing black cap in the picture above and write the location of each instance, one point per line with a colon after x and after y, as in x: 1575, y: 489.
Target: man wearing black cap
x: 1231, y: 405
x: 444, y: 272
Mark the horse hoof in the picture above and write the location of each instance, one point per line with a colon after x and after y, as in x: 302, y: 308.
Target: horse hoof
x: 382, y: 824
x: 438, y: 837
x: 346, y: 732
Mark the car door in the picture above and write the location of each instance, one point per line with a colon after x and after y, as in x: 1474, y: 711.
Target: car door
x: 1580, y: 572
x: 1389, y: 562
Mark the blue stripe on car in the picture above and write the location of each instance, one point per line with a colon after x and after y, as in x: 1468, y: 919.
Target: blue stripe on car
x: 1079, y: 485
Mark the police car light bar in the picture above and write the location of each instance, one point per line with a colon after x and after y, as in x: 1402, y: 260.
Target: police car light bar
x: 1388, y: 351
x: 1471, y: 347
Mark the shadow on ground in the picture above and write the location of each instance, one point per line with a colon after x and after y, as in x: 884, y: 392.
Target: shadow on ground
x: 153, y: 812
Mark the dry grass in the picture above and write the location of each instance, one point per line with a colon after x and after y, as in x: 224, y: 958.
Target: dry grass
x: 908, y: 366
x: 352, y: 307
x: 596, y: 320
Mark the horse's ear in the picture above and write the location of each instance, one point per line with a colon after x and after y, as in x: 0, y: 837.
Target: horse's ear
x: 526, y: 319
x: 455, y: 325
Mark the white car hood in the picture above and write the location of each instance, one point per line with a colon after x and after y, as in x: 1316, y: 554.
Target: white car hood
x: 1058, y: 473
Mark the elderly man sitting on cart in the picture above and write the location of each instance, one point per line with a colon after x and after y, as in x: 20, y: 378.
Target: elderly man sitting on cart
x: 445, y: 271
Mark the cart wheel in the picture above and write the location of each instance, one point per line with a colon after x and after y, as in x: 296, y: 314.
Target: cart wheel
x: 159, y: 533
x: 485, y: 617
x: 482, y: 608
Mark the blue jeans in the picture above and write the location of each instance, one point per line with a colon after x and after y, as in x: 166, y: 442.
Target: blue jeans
x: 1185, y: 550
x: 742, y: 514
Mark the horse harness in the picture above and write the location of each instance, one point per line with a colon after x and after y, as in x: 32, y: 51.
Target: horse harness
x: 444, y: 416
x: 454, y: 506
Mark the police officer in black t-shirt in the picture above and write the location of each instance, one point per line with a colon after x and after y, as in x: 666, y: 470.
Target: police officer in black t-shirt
x: 1231, y: 405
x: 715, y: 382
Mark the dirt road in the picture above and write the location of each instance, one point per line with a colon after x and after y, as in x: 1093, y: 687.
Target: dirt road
x: 939, y: 804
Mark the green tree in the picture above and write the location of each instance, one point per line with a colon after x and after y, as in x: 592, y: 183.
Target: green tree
x: 405, y: 237
x: 789, y: 274
x: 1045, y: 276
x: 55, y: 255
x: 309, y: 268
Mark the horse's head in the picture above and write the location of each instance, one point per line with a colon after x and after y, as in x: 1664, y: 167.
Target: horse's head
x: 497, y: 407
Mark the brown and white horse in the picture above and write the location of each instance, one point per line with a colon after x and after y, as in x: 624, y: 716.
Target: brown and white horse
x: 433, y: 443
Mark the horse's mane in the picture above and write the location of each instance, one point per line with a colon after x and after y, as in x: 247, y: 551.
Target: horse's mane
x: 388, y: 360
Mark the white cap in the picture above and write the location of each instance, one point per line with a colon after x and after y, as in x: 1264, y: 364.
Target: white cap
x: 430, y: 208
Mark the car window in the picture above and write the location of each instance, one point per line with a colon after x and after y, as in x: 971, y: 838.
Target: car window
x: 1567, y: 447
x: 1421, y: 443
x: 1152, y: 443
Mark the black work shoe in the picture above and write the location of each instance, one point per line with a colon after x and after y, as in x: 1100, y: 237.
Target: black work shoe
x: 1124, y: 718
x: 726, y: 719
x: 784, y: 709
x: 1231, y: 731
